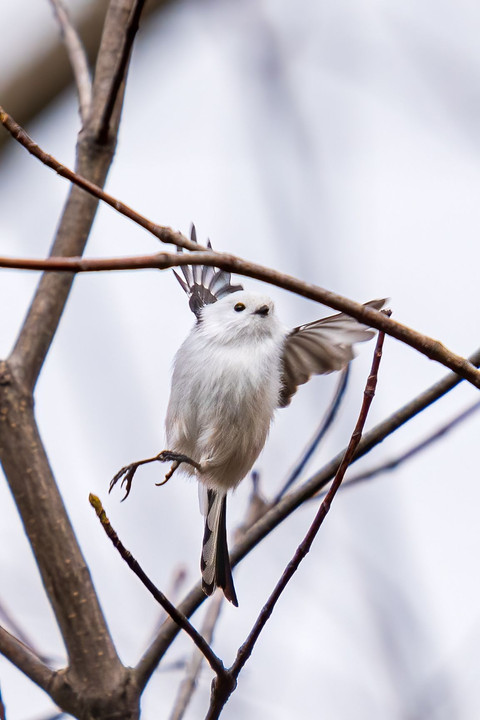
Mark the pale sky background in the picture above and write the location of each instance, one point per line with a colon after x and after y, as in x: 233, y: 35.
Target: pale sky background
x: 336, y: 141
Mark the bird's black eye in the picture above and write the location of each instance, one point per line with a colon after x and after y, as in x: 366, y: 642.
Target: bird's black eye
x: 239, y: 307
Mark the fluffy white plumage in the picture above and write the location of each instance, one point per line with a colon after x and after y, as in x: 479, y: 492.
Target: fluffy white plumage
x: 236, y: 367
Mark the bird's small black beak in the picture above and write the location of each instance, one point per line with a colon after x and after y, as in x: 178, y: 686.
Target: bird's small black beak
x: 263, y: 310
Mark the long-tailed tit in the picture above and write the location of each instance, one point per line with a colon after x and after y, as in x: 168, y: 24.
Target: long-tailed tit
x: 238, y: 364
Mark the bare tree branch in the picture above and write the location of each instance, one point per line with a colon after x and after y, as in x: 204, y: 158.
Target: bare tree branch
x: 325, y: 423
x: 395, y: 462
x: 189, y: 682
x: 26, y: 660
x: 277, y: 513
x: 430, y: 347
x: 214, y: 662
x: 26, y: 96
x: 119, y: 76
x: 77, y: 56
x: 20, y: 634
x: 220, y: 691
x: 164, y: 234
x: 427, y: 346
x: 103, y: 681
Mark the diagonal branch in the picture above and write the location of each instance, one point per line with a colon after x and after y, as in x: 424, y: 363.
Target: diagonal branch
x: 77, y: 56
x: 194, y: 666
x: 220, y: 694
x: 164, y: 234
x: 178, y: 617
x: 277, y: 513
x: 325, y: 423
x: 26, y: 660
x: 395, y: 462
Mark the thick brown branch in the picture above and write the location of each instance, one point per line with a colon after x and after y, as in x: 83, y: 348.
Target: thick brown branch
x: 428, y: 346
x: 62, y: 567
x: 93, y: 162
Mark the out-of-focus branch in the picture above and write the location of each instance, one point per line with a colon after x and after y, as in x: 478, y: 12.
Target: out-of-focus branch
x: 189, y: 682
x: 119, y: 75
x: 178, y: 617
x: 25, y: 660
x: 325, y: 423
x: 77, y: 56
x: 26, y: 96
x: 277, y: 513
x: 395, y: 462
x: 46, y: 74
x: 221, y: 693
x: 20, y: 634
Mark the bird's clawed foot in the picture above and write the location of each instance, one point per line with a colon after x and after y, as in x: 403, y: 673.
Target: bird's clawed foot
x: 126, y: 473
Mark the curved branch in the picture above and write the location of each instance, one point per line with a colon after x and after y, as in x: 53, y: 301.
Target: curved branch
x: 424, y: 344
x: 430, y: 347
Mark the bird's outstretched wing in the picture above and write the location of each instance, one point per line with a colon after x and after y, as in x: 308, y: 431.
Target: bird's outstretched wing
x: 204, y: 284
x: 320, y: 347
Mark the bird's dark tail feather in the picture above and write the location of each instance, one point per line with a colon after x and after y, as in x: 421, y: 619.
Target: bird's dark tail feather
x: 215, y: 561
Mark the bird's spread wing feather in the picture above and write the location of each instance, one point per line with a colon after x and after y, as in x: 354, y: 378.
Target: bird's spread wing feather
x: 204, y: 284
x: 320, y: 347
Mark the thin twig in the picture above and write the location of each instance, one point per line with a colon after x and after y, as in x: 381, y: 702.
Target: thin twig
x: 2, y: 708
x: 220, y: 694
x: 214, y: 662
x: 189, y: 682
x: 131, y: 29
x: 430, y: 347
x: 325, y: 423
x: 304, y: 547
x: 77, y: 56
x: 277, y: 513
x: 394, y: 463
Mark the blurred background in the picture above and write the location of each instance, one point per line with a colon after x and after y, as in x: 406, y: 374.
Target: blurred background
x: 335, y: 141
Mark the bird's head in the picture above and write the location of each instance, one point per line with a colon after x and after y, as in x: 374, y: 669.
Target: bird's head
x: 240, y: 316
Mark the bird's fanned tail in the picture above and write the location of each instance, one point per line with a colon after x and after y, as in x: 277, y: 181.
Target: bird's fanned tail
x: 215, y: 561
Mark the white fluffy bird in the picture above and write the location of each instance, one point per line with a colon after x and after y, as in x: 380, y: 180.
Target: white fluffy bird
x: 236, y: 367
